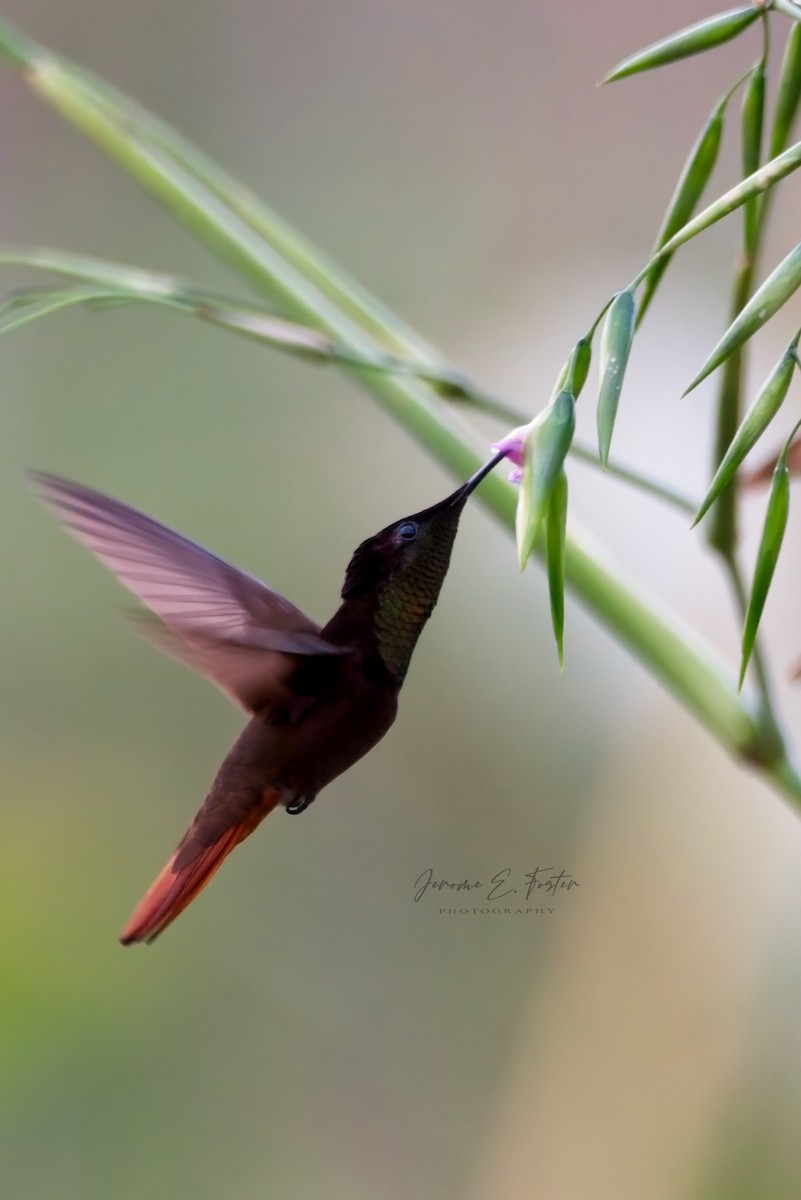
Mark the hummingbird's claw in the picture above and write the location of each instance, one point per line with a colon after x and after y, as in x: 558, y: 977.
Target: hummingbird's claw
x: 300, y: 805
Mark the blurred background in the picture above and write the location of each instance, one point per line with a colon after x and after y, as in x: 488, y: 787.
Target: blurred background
x: 307, y: 1030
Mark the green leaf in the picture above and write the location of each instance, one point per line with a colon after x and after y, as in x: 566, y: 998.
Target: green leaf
x: 767, y: 557
x: 768, y: 401
x: 15, y: 48
x: 760, y: 181
x: 119, y: 276
x: 555, y: 526
x: 789, y: 93
x: 765, y: 302
x: 16, y: 315
x: 580, y: 366
x: 353, y: 299
x: 208, y: 214
x: 616, y: 338
x: 753, y: 113
x: 194, y: 205
x: 573, y: 374
x: 547, y: 444
x: 692, y: 182
x: 118, y: 283
x: 692, y: 40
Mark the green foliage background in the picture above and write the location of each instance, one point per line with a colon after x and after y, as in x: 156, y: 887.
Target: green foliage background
x: 307, y: 1030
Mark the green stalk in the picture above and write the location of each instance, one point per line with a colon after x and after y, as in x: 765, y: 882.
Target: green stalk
x: 350, y: 296
x: 674, y: 653
x: 787, y: 7
x: 722, y: 528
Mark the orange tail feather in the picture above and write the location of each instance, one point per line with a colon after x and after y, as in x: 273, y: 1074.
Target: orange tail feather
x: 176, y: 887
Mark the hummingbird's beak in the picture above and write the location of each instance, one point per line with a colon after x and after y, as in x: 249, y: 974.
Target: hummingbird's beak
x: 462, y: 493
x: 458, y: 499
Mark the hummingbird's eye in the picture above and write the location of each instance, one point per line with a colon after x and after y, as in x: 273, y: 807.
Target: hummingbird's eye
x: 408, y: 531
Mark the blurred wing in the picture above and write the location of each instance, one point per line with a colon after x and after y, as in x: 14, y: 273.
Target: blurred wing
x: 225, y: 623
x: 249, y: 675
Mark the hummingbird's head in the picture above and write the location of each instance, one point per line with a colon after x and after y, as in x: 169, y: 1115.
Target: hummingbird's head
x: 402, y: 569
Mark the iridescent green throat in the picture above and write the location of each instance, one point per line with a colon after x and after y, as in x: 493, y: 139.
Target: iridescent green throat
x: 406, y: 600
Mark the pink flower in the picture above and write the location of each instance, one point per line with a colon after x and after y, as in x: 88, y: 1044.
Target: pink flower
x: 514, y: 447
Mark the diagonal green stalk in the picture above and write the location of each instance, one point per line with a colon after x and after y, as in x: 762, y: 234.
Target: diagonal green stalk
x: 672, y: 651
x: 352, y: 298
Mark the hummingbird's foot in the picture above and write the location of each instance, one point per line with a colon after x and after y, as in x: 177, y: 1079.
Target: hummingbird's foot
x: 300, y: 805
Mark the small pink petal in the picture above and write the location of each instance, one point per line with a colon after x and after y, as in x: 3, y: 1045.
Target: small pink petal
x: 513, y: 445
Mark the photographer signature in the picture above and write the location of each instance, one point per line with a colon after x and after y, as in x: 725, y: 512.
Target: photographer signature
x: 542, y: 879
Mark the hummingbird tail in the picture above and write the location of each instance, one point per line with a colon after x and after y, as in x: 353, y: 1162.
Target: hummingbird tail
x: 190, y: 869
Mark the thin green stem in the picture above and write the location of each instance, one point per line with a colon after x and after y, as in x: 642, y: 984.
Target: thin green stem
x: 643, y: 483
x: 765, y: 40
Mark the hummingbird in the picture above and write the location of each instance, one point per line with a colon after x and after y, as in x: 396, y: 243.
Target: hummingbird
x: 318, y: 698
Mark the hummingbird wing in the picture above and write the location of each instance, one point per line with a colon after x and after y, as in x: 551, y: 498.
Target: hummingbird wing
x: 225, y: 623
x: 251, y: 676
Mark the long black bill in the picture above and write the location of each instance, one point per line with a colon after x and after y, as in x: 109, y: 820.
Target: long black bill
x: 457, y: 500
x: 459, y: 497
x: 474, y: 480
